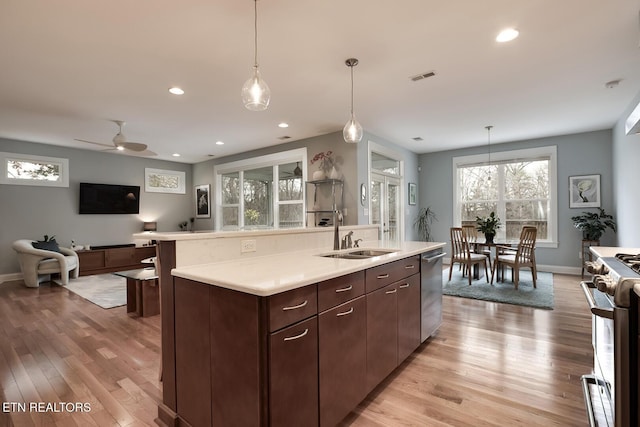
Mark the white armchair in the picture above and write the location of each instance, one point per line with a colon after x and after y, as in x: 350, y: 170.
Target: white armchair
x: 38, y: 262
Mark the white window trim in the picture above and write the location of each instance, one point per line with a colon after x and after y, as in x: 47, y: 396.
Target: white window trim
x: 290, y: 156
x: 64, y: 170
x: 374, y: 147
x: 515, y: 155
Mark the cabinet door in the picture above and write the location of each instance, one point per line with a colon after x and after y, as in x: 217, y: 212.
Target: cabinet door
x: 342, y: 344
x: 120, y: 257
x: 382, y: 334
x: 293, y: 375
x: 408, y: 316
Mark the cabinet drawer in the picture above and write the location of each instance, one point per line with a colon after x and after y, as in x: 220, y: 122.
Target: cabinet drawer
x: 385, y: 274
x: 292, y: 306
x: 334, y: 292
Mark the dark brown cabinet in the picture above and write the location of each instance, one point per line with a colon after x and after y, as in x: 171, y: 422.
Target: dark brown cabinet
x: 293, y: 375
x: 382, y: 334
x: 342, y: 361
x: 98, y: 261
x: 307, y: 356
x: 408, y: 316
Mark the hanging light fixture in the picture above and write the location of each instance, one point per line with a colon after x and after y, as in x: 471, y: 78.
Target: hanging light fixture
x: 255, y: 92
x: 488, y: 128
x: 352, y: 131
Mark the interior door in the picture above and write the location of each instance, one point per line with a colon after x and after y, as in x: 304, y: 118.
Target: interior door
x: 385, y: 206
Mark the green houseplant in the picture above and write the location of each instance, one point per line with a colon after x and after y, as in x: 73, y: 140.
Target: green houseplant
x: 423, y: 222
x: 593, y: 224
x: 488, y: 226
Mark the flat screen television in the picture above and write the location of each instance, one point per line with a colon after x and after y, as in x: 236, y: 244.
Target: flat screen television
x: 109, y: 199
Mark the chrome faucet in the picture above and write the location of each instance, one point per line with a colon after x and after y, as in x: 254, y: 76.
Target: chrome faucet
x: 336, y: 230
x: 346, y: 241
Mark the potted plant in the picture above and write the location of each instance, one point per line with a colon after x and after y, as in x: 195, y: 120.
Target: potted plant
x: 488, y: 226
x: 423, y: 222
x: 593, y: 224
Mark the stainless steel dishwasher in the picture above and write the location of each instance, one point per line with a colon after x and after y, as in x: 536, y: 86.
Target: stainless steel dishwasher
x: 431, y: 292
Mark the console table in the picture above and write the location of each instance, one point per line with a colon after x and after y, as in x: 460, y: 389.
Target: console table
x: 107, y: 259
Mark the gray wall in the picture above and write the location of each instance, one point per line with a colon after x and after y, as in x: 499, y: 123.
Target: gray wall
x: 29, y: 212
x: 626, y: 175
x: 578, y: 154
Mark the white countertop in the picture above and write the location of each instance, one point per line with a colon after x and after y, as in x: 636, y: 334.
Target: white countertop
x: 610, y: 251
x: 272, y: 274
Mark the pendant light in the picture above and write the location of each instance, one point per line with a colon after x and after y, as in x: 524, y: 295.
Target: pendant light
x: 352, y: 131
x: 255, y: 92
x: 488, y: 128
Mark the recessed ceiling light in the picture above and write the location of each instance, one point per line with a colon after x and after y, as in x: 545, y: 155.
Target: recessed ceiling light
x: 507, y: 35
x: 219, y: 143
x: 176, y: 91
x: 283, y: 125
x: 176, y: 154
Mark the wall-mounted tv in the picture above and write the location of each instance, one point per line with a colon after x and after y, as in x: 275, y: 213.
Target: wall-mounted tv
x: 109, y: 199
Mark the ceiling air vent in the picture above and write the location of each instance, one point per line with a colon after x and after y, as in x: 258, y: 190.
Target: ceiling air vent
x: 284, y: 138
x: 423, y: 76
x: 417, y: 139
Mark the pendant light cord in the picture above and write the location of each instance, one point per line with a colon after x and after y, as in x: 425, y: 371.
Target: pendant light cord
x: 488, y: 128
x: 255, y: 33
x: 351, y: 66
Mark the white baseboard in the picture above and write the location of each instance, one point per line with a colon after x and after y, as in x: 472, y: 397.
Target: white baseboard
x: 10, y: 277
x: 559, y: 269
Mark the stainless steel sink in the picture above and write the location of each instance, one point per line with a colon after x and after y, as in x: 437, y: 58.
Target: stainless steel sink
x: 359, y: 254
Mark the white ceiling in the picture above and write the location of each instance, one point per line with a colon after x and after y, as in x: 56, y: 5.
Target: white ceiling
x: 69, y: 66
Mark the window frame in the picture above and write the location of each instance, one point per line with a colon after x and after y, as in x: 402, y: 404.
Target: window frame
x: 270, y: 160
x: 527, y: 154
x: 63, y: 180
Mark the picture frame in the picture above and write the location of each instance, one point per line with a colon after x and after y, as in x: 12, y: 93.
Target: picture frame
x: 203, y: 201
x: 164, y: 181
x: 584, y: 191
x: 413, y: 193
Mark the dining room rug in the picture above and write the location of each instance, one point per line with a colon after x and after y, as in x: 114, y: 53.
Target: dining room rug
x: 504, y: 292
x: 104, y: 290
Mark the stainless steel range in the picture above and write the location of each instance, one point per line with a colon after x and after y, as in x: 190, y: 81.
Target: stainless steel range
x: 611, y: 391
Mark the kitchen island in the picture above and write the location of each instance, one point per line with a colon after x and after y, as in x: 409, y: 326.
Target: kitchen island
x: 293, y: 338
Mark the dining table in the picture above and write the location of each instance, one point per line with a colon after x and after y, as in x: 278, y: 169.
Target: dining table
x: 477, y: 246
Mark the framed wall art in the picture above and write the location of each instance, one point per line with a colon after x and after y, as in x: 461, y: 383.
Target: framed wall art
x: 203, y: 201
x: 413, y: 193
x: 584, y: 191
x: 164, y: 181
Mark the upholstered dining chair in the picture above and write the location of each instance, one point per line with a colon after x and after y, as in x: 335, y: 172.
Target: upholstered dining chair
x: 472, y: 236
x: 36, y: 263
x: 460, y: 253
x: 524, y: 257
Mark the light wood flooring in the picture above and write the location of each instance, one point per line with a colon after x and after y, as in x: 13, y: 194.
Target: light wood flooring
x: 489, y: 365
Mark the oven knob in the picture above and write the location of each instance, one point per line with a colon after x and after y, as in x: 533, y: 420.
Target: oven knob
x: 600, y: 283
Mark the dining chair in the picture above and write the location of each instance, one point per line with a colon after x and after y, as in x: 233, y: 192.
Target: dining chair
x: 472, y: 237
x: 524, y: 257
x: 462, y: 254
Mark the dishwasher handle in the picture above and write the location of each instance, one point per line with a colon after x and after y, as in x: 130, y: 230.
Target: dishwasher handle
x: 433, y: 258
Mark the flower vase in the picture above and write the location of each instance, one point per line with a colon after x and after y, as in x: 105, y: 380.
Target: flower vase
x: 489, y: 238
x: 334, y: 174
x: 318, y: 175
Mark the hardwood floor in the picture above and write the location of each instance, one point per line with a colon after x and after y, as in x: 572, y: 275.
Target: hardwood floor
x: 489, y: 365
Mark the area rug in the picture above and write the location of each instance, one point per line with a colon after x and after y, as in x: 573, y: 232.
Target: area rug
x: 505, y: 292
x: 105, y: 290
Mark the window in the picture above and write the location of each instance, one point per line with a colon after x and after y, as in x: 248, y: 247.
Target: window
x: 262, y: 192
x: 519, y: 186
x: 25, y: 169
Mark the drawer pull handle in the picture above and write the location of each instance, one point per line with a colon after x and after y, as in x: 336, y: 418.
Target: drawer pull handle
x: 294, y: 307
x: 410, y: 266
x: 306, y: 331
x: 383, y: 276
x: 347, y: 289
x: 393, y: 291
x: 406, y: 285
x: 345, y: 313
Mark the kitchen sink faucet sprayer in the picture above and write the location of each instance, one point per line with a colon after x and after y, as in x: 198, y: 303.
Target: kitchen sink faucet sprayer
x: 336, y: 229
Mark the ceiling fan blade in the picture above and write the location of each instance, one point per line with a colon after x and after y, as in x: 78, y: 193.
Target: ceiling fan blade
x: 144, y: 153
x: 95, y: 143
x: 133, y: 146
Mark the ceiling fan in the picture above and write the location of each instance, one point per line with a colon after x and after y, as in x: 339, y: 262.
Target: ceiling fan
x: 120, y: 143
